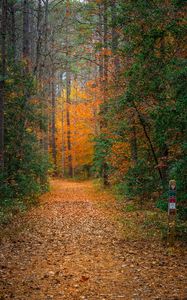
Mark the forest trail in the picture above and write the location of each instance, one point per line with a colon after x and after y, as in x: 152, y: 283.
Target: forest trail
x: 71, y: 247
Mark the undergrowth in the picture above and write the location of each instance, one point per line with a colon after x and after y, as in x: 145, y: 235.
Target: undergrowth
x: 144, y: 221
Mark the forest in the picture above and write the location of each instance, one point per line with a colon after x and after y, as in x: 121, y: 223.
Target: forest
x: 93, y: 90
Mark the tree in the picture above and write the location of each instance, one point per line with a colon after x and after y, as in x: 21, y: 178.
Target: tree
x: 2, y: 78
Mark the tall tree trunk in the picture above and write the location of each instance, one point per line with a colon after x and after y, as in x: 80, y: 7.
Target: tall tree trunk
x: 26, y: 51
x: 13, y: 32
x: 63, y: 140
x: 105, y: 81
x: 68, y: 93
x: 46, y: 25
x: 39, y: 39
x: 69, y: 145
x: 32, y: 34
x: 115, y: 38
x: 100, y: 32
x: 105, y: 43
x: 2, y: 79
x: 53, y: 118
x: 45, y: 76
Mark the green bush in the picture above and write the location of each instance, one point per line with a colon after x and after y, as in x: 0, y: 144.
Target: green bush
x: 141, y: 180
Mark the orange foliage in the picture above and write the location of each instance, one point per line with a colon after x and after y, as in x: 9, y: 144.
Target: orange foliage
x: 83, y: 126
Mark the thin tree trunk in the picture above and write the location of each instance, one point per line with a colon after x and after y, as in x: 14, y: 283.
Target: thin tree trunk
x: 46, y: 24
x: 115, y: 38
x: 63, y: 141
x: 105, y: 43
x: 26, y: 31
x: 39, y: 39
x: 68, y: 93
x: 100, y: 28
x: 69, y: 146
x: 149, y: 140
x: 32, y: 35
x: 133, y: 142
x: 53, y: 120
x: 2, y: 80
x: 47, y: 88
x: 105, y: 87
x: 13, y: 32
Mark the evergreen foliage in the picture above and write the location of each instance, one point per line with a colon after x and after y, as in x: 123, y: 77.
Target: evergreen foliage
x: 26, y: 165
x: 153, y: 100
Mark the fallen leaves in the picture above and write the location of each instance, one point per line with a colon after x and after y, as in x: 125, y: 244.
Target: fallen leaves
x: 72, y: 247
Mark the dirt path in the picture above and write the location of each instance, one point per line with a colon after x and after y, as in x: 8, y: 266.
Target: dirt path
x: 71, y: 247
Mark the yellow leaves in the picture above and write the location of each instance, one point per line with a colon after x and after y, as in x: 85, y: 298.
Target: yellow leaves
x: 169, y: 38
x: 29, y: 130
x: 9, y: 81
x: 14, y: 94
x: 24, y: 61
x: 82, y: 125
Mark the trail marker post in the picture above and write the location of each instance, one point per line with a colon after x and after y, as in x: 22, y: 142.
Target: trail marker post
x: 171, y: 212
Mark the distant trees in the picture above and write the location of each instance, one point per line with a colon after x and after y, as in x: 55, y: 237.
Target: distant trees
x: 82, y: 128
x: 127, y: 59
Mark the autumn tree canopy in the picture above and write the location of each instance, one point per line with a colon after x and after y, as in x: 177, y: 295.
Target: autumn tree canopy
x: 93, y: 88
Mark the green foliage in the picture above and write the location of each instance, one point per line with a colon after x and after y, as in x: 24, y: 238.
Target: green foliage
x: 162, y: 202
x: 25, y: 174
x: 140, y: 180
x: 130, y: 208
x: 155, y: 94
x: 102, y: 147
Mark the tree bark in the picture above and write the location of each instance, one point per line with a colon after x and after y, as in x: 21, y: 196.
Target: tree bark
x: 115, y: 39
x: 26, y: 51
x: 13, y: 32
x: 69, y: 146
x: 63, y: 141
x: 105, y: 43
x: 68, y: 93
x: 53, y: 120
x: 2, y: 79
x: 100, y: 29
x: 149, y: 140
x: 105, y: 81
x: 45, y: 76
x: 39, y: 39
x: 133, y: 142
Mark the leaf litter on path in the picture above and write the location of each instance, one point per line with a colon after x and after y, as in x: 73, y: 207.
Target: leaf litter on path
x: 71, y: 247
